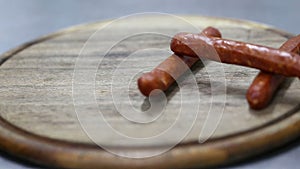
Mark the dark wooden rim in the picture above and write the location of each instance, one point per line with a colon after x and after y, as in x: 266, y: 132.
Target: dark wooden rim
x: 59, y: 153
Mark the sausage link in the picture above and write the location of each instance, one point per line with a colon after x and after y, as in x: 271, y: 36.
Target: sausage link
x: 265, y: 85
x: 234, y: 52
x: 160, y: 77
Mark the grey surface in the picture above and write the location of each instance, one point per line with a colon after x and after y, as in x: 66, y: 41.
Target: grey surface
x: 24, y: 20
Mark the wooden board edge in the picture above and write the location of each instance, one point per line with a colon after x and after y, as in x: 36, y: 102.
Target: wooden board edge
x: 57, y: 153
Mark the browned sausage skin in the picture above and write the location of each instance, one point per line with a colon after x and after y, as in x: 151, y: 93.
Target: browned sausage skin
x: 265, y: 84
x: 159, y: 77
x: 239, y: 53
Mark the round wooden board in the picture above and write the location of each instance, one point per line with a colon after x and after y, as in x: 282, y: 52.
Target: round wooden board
x: 42, y: 122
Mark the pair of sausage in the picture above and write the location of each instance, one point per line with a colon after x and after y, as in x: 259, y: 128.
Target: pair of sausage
x: 265, y: 84
x: 164, y: 75
x: 209, y: 45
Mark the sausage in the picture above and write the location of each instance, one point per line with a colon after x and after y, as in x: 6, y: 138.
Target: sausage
x: 159, y: 77
x: 265, y: 85
x: 234, y: 52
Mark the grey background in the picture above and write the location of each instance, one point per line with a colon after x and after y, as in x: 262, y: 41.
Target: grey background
x: 25, y: 20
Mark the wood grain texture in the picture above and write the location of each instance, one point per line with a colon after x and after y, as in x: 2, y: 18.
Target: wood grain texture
x: 38, y: 120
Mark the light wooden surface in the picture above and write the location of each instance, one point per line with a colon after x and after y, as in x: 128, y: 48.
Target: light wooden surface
x: 36, y: 96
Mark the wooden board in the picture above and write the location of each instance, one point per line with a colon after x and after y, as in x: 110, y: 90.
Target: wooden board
x: 38, y: 116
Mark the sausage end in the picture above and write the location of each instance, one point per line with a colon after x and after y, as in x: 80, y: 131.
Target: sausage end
x: 147, y: 83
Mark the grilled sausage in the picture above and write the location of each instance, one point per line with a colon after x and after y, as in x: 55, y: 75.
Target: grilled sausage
x: 234, y: 52
x: 170, y: 69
